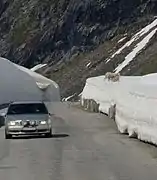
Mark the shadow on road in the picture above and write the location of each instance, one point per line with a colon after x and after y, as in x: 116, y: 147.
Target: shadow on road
x: 54, y: 136
x: 60, y: 135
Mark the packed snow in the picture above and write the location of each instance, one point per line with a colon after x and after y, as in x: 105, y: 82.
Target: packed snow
x: 37, y: 67
x: 150, y: 79
x: 135, y: 51
x: 136, y: 101
x: 104, y: 92
x: 136, y: 37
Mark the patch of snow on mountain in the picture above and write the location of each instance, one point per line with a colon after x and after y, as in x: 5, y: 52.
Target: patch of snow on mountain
x: 147, y: 28
x: 139, y: 34
x: 38, y: 67
x: 135, y: 51
x: 121, y: 40
x: 88, y: 64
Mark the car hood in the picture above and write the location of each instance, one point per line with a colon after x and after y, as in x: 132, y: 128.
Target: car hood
x: 25, y: 117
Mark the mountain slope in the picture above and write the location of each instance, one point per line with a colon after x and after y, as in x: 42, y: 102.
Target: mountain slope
x: 76, y: 37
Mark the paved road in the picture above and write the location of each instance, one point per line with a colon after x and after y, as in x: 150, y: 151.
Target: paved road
x: 86, y: 146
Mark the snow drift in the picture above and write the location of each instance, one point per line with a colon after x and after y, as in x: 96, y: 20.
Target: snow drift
x: 135, y: 99
x: 104, y: 92
x: 21, y: 84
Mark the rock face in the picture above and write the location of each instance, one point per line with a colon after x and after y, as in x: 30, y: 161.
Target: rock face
x: 58, y: 31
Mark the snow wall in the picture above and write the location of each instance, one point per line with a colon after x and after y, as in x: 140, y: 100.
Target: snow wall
x: 19, y: 84
x: 104, y: 92
x: 136, y: 102
x: 50, y: 89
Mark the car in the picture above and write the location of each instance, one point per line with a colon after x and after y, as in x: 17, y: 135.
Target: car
x: 27, y: 118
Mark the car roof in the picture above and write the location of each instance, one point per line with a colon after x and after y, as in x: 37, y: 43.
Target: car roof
x: 27, y: 102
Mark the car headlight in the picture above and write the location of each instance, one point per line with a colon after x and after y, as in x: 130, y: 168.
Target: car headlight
x: 15, y: 123
x: 11, y: 123
x: 43, y: 122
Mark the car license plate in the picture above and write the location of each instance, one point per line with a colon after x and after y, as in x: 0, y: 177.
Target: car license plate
x: 29, y: 129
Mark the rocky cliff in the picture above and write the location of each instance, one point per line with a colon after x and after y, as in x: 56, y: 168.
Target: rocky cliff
x: 71, y: 35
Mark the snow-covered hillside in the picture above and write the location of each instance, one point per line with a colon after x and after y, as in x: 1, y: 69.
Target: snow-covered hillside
x: 135, y: 99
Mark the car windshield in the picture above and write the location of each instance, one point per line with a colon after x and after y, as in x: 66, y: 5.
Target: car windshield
x: 38, y: 108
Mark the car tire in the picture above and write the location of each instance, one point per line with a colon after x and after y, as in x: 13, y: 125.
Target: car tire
x: 7, y: 136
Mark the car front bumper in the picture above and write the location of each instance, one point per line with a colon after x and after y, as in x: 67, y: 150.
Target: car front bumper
x: 29, y: 131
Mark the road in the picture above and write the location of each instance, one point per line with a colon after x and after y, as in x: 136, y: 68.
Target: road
x: 85, y: 146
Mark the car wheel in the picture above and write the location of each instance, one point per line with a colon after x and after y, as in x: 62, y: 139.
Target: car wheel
x: 7, y: 136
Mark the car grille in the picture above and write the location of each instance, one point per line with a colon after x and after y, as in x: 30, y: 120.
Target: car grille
x: 18, y: 123
x: 14, y: 131
x: 30, y: 123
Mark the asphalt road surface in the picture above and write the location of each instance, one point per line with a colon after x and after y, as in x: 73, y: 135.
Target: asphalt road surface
x: 85, y: 146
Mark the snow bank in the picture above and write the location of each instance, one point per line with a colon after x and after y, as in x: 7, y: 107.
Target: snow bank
x: 136, y: 112
x: 136, y: 102
x: 99, y: 90
x: 21, y: 84
x: 104, y: 92
x: 150, y: 79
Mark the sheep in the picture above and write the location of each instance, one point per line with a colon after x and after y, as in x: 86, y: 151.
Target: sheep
x: 112, y: 76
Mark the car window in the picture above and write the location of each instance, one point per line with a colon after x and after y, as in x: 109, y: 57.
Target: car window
x: 27, y: 109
